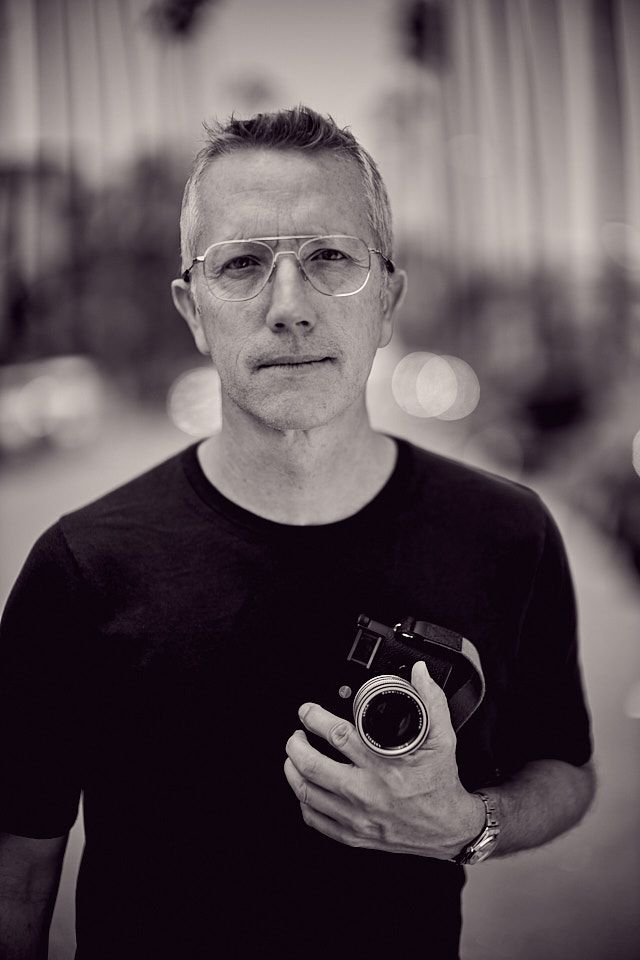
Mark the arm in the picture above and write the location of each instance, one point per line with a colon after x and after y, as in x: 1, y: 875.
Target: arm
x: 545, y: 799
x: 417, y: 804
x: 41, y: 725
x: 29, y: 877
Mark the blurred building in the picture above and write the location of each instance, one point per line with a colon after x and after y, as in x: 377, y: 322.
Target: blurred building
x: 508, y: 132
x: 522, y: 121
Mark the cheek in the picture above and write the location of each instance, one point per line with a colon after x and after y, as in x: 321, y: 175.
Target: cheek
x: 366, y: 333
x: 224, y: 338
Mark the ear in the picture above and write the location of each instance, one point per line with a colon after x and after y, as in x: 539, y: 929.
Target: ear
x: 185, y: 304
x: 391, y: 303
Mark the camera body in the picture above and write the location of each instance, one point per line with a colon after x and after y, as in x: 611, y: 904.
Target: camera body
x: 374, y: 689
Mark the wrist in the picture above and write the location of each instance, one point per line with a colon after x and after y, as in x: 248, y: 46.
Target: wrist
x: 470, y: 818
x: 476, y: 821
x: 483, y: 843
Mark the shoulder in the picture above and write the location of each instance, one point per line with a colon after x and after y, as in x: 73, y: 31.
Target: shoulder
x: 474, y: 501
x: 131, y: 515
x: 146, y: 494
x: 444, y: 474
x: 110, y: 543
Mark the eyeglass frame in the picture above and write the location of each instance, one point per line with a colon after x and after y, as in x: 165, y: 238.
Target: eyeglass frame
x: 389, y: 264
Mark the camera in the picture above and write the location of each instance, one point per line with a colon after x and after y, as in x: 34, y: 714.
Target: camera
x: 388, y: 713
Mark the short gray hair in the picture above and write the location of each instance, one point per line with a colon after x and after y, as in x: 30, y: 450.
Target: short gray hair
x: 299, y: 128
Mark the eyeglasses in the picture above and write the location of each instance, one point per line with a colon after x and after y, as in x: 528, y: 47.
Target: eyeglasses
x: 337, y: 266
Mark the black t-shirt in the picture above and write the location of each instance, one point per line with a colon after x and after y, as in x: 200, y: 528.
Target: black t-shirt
x: 154, y: 653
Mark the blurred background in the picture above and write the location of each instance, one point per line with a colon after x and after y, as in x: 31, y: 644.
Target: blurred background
x: 508, y: 132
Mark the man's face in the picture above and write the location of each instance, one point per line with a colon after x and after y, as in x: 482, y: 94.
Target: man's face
x: 291, y: 357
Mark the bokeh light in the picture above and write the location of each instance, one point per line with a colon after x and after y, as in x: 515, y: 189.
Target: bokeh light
x: 427, y: 385
x: 635, y: 453
x: 403, y: 383
x: 436, y: 386
x: 193, y: 402
x: 59, y: 400
x: 467, y: 393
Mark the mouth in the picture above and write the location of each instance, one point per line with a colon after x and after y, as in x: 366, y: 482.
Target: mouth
x: 293, y: 362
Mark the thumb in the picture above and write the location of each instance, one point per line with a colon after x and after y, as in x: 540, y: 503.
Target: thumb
x: 435, y: 701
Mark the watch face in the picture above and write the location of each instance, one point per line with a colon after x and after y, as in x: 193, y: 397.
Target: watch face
x: 483, y: 849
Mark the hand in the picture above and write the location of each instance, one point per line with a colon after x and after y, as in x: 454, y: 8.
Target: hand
x: 410, y: 804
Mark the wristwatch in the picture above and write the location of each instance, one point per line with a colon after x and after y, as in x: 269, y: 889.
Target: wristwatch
x: 485, y: 843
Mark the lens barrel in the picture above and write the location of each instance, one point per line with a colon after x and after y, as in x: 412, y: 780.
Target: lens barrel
x: 390, y: 716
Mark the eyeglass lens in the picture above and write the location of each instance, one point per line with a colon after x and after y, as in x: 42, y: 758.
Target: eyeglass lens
x: 239, y: 269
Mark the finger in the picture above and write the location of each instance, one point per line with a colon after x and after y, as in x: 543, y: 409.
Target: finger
x: 313, y: 766
x: 440, y: 726
x: 333, y: 829
x: 338, y: 732
x: 327, y: 813
x: 309, y: 795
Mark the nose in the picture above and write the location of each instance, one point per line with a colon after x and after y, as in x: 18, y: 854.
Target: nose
x: 289, y: 306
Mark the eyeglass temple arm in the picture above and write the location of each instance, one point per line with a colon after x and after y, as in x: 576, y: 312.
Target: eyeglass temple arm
x: 186, y: 275
x: 389, y: 264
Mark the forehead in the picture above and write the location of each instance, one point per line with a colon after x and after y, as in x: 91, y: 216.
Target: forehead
x: 269, y: 192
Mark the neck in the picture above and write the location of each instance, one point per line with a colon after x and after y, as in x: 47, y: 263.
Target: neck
x: 299, y: 477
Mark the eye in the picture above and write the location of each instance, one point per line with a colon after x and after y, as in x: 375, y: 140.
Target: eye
x: 328, y: 253
x: 243, y: 262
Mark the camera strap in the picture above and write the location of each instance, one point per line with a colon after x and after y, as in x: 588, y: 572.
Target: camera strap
x: 453, y: 662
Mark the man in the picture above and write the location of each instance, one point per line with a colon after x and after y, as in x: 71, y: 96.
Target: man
x: 159, y: 642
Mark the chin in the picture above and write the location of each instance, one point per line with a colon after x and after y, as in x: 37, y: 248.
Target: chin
x: 288, y: 415
x: 295, y: 409
x: 290, y: 421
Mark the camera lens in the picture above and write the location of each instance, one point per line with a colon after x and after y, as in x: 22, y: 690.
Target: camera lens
x: 390, y: 716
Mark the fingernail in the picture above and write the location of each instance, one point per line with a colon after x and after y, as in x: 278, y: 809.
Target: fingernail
x: 304, y: 710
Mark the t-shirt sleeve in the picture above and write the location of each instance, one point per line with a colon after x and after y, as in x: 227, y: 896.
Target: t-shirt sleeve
x: 41, y: 641
x: 548, y: 717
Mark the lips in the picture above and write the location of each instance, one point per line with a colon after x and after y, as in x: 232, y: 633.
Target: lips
x: 294, y: 360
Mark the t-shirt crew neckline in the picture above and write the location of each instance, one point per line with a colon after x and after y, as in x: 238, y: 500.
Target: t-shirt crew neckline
x: 385, y: 504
